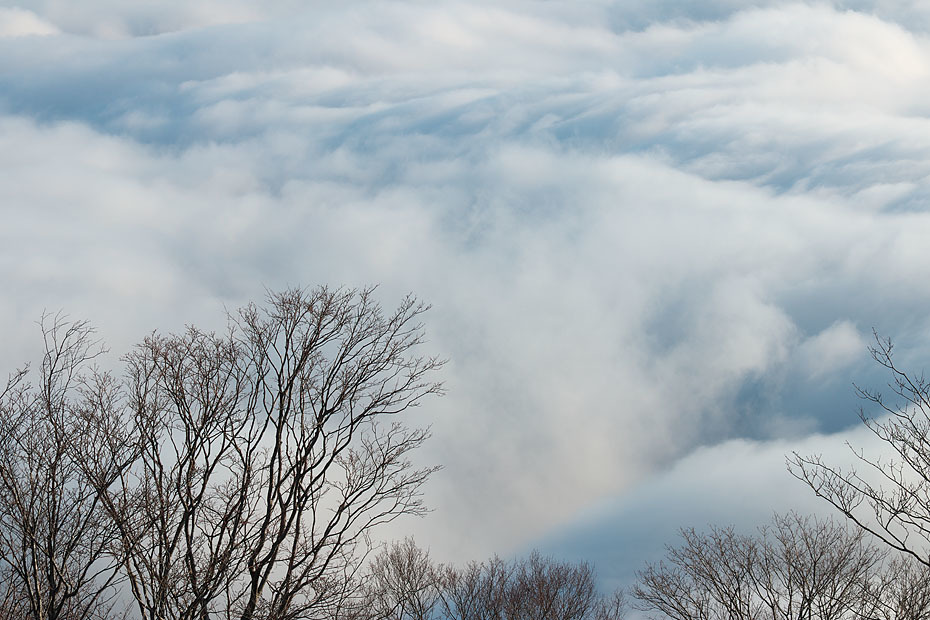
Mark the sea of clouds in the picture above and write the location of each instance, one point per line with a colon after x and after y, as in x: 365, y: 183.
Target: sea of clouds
x: 656, y: 235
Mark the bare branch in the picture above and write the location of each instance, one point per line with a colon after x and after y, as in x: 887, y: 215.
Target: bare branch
x: 890, y: 498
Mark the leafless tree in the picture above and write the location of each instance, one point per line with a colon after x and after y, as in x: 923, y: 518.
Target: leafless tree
x: 403, y: 584
x: 891, y: 499
x: 814, y: 568
x: 475, y: 591
x: 611, y: 607
x: 706, y: 578
x: 54, y: 535
x: 542, y: 587
x: 799, y: 568
x: 533, y: 588
x: 900, y: 592
x: 262, y: 458
x: 13, y: 602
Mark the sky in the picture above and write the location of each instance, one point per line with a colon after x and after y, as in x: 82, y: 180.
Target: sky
x: 656, y: 235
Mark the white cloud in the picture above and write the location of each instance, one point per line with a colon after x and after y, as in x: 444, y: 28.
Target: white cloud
x: 739, y: 483
x: 16, y: 22
x: 639, y: 237
x: 833, y: 349
x: 110, y: 19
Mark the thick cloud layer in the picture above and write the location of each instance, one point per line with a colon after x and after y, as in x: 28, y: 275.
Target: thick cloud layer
x: 645, y: 228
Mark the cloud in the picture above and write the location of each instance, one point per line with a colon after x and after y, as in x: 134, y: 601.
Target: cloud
x: 108, y: 19
x: 644, y: 229
x: 834, y: 347
x: 738, y: 483
x: 16, y: 22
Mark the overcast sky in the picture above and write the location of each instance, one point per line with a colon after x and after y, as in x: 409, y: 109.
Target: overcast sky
x: 656, y: 234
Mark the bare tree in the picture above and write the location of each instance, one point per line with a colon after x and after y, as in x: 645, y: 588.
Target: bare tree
x: 706, y: 578
x: 54, y: 535
x: 891, y: 499
x: 403, y: 584
x: 611, y: 607
x: 13, y: 602
x: 900, y: 592
x: 475, y: 591
x: 533, y: 588
x: 798, y: 568
x: 814, y: 568
x: 542, y: 587
x: 262, y: 458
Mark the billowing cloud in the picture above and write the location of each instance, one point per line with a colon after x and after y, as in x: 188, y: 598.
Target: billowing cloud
x: 645, y: 228
x: 833, y: 348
